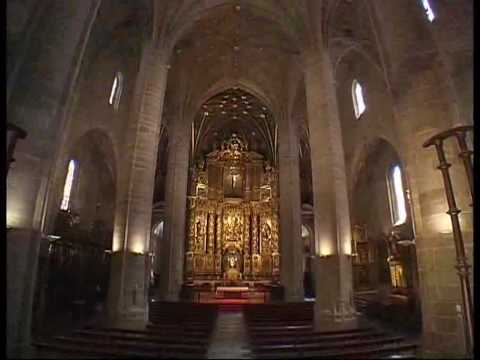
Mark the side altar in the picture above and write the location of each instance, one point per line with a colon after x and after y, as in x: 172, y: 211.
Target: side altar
x: 232, y: 239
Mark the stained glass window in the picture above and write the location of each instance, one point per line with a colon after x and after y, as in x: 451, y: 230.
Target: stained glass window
x: 67, y: 189
x: 397, y: 196
x: 428, y: 10
x: 116, y: 91
x: 358, y: 99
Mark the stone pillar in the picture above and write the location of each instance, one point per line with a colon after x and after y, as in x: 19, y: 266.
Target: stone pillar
x: 291, y: 246
x: 425, y: 85
x: 22, y: 248
x: 334, y: 307
x: 37, y: 97
x: 127, y: 297
x: 438, y: 282
x: 175, y: 212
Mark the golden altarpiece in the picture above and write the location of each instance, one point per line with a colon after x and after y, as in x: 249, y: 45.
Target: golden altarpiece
x: 232, y: 235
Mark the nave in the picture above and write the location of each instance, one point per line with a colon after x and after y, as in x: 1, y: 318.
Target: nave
x: 270, y: 152
x: 267, y: 331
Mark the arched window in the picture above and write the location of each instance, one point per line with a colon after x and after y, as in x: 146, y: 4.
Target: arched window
x: 428, y: 10
x: 158, y: 229
x: 397, y: 196
x: 358, y: 99
x: 116, y: 91
x: 67, y: 189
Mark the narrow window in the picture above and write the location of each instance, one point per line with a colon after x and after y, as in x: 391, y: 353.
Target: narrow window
x: 397, y: 196
x: 428, y: 10
x: 358, y: 99
x: 116, y: 91
x: 67, y: 189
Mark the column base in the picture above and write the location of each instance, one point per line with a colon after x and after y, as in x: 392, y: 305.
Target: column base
x: 127, y: 299
x: 130, y: 318
x: 333, y: 320
x: 23, y: 247
x: 172, y: 296
x: 334, y: 307
x: 291, y: 296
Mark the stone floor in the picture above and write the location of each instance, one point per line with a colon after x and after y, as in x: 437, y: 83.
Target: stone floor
x: 229, y: 339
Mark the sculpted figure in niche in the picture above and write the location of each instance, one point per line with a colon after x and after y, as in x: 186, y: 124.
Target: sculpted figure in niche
x: 266, y: 237
x: 200, y: 164
x: 392, y: 240
x: 198, y: 235
x: 268, y: 175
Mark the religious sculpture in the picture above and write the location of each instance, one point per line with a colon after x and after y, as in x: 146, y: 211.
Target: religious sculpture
x: 397, y: 270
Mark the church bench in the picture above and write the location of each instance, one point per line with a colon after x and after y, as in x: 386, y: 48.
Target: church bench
x: 290, y: 318
x: 311, y: 338
x: 80, y: 352
x: 179, y: 324
x: 307, y: 329
x: 158, y: 338
x: 360, y: 353
x: 178, y: 347
x: 173, y: 331
x: 332, y: 344
x: 270, y: 328
x: 286, y: 322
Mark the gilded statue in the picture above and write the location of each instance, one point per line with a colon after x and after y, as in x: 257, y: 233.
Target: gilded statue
x: 266, y: 238
x: 392, y: 240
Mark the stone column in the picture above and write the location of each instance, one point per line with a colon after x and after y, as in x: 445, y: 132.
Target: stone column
x: 38, y: 96
x: 291, y: 252
x: 425, y: 104
x: 127, y: 297
x: 176, y: 201
x: 333, y: 269
x: 438, y: 283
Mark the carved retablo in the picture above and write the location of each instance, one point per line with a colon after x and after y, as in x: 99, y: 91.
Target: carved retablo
x: 233, y: 217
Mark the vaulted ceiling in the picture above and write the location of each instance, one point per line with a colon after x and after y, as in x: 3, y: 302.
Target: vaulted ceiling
x: 234, y: 41
x: 235, y: 111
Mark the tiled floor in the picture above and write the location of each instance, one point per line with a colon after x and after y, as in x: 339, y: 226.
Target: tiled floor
x: 229, y: 338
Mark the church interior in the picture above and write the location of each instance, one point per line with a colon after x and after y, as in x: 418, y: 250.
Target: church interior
x: 239, y: 179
